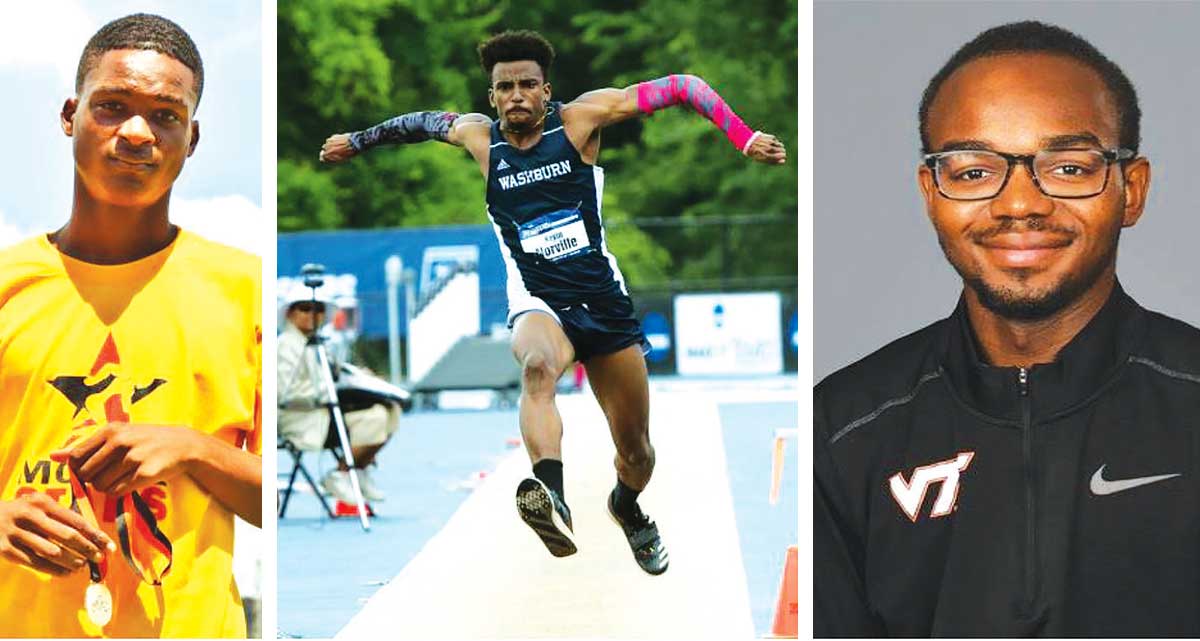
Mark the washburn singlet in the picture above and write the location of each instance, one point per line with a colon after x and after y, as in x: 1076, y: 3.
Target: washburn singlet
x: 544, y: 203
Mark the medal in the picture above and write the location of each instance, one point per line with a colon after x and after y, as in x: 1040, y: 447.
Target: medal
x: 97, y: 600
x: 143, y: 545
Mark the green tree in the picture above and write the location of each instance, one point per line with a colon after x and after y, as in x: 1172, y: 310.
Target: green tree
x: 347, y: 64
x: 747, y: 51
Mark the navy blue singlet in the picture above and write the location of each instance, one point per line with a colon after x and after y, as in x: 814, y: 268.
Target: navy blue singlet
x: 544, y: 203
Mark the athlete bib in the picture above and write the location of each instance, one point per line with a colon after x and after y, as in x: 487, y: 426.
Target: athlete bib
x: 555, y: 236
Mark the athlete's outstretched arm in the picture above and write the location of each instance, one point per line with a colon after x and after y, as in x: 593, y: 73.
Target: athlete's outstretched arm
x: 608, y: 106
x: 418, y: 126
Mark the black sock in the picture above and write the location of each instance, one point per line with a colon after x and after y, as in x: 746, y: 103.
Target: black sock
x: 625, y: 499
x: 550, y: 472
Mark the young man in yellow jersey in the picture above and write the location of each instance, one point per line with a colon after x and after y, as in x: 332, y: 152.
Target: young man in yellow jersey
x: 130, y: 356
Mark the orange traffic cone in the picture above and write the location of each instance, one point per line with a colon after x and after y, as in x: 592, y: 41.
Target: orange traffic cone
x: 786, y: 610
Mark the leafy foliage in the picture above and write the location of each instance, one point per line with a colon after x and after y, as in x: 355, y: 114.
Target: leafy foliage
x: 347, y: 64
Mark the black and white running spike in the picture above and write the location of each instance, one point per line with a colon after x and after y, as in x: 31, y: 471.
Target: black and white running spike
x: 644, y: 540
x: 547, y: 515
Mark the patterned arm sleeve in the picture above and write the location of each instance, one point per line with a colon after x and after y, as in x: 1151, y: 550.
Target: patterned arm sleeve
x: 683, y: 89
x: 414, y: 127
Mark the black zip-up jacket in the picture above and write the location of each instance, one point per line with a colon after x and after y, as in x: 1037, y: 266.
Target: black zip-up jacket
x: 954, y: 498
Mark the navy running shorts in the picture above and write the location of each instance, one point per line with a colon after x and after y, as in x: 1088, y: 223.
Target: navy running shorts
x: 597, y: 327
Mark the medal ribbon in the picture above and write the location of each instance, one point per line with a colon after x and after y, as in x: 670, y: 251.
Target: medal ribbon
x: 97, y: 571
x: 154, y: 558
x: 144, y: 546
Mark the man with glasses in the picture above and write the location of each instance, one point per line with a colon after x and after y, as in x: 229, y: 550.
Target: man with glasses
x: 1027, y: 466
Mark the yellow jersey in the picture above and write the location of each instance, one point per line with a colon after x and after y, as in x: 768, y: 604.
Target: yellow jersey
x: 171, y: 339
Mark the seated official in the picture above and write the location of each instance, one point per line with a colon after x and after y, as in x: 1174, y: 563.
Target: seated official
x: 302, y: 419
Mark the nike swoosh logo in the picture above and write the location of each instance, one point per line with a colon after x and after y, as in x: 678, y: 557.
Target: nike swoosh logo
x: 1101, y: 487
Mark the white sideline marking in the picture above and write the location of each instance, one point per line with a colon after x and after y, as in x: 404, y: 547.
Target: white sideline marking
x: 760, y: 389
x: 486, y: 575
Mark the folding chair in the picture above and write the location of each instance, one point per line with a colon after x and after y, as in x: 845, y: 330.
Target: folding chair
x: 298, y: 468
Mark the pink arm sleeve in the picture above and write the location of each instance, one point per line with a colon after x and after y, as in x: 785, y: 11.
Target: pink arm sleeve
x: 678, y: 89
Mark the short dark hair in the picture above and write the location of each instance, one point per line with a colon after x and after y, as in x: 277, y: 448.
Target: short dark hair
x: 1038, y: 37
x: 511, y: 46
x: 147, y: 32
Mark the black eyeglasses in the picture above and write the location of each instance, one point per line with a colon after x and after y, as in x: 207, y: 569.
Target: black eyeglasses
x: 1059, y: 173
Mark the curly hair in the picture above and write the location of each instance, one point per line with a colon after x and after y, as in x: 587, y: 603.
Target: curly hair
x: 1038, y: 37
x: 147, y: 32
x: 511, y: 46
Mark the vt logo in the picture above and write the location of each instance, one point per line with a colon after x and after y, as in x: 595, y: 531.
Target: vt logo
x: 104, y: 391
x: 911, y: 495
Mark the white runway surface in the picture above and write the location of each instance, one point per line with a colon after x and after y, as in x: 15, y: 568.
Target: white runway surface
x: 487, y: 575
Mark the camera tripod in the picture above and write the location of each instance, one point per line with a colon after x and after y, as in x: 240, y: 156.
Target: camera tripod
x: 327, y: 392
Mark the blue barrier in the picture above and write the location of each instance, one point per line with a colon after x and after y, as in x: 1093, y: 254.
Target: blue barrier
x: 362, y: 252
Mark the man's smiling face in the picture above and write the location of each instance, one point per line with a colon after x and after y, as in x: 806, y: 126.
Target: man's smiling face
x: 1024, y: 254
x: 132, y: 126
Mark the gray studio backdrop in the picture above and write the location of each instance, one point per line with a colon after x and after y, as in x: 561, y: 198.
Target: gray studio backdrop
x: 878, y: 272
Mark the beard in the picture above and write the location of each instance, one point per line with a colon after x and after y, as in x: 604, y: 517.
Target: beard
x: 528, y: 125
x: 1027, y: 303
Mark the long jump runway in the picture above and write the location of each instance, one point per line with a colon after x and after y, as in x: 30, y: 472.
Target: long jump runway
x: 486, y: 574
